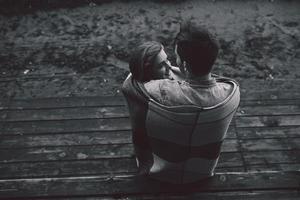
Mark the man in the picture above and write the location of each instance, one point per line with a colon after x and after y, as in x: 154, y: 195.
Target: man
x: 196, y: 51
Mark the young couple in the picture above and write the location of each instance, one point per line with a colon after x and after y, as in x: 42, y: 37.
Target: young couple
x: 191, y: 83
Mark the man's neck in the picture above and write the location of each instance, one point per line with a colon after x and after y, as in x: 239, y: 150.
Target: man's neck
x: 199, y: 78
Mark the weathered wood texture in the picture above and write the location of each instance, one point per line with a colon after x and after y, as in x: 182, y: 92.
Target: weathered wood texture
x: 229, y: 195
x: 134, y: 185
x: 79, y: 147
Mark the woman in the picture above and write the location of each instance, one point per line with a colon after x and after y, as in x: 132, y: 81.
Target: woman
x: 149, y: 62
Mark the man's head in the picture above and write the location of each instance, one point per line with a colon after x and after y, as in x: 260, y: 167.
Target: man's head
x: 195, y: 46
x: 148, y: 62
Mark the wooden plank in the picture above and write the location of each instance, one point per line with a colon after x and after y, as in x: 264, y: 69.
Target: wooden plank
x: 267, y: 102
x: 292, y: 134
x: 270, y: 144
x: 136, y: 185
x: 236, y: 195
x: 67, y: 139
x: 85, y: 164
x: 98, y: 101
x: 229, y: 169
x: 90, y: 152
x: 230, y: 160
x: 268, y: 93
x: 42, y: 151
x: 34, y: 127
x: 67, y: 168
x: 101, y: 101
x: 282, y: 98
x: 274, y: 167
x: 294, y: 143
x: 64, y: 153
x: 64, y: 113
x: 268, y: 132
x: 122, y: 111
x: 230, y: 145
x: 228, y: 163
x: 271, y: 157
x: 268, y: 121
x: 67, y: 126
x: 64, y: 126
x: 65, y: 102
x: 269, y: 89
x: 268, y: 110
x: 6, y: 91
x: 253, y: 195
x: 265, y: 144
x: 228, y: 195
x: 231, y: 133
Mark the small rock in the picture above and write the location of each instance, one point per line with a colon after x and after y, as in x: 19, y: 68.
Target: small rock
x: 112, y: 154
x: 26, y: 71
x: 82, y: 156
x: 62, y: 154
x: 142, y: 11
x: 223, y: 178
x: 274, y: 97
x: 92, y: 4
x: 271, y: 77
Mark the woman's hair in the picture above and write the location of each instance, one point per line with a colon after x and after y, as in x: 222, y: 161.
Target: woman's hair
x: 197, y: 46
x: 144, y: 53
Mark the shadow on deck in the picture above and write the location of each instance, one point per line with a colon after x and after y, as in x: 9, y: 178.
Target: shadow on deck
x: 79, y: 147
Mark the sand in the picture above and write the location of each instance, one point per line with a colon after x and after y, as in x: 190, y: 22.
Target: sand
x: 83, y: 50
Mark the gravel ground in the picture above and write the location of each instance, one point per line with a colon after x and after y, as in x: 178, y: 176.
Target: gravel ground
x: 82, y: 49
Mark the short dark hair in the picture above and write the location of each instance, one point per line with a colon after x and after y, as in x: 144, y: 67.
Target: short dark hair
x: 197, y: 47
x: 145, y: 52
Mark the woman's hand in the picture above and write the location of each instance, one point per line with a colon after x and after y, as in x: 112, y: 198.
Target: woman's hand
x: 176, y: 74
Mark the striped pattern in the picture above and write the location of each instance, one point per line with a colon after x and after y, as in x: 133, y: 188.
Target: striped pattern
x: 184, y: 142
x: 187, y: 143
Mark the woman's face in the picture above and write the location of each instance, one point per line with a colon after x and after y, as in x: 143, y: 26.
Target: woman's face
x: 161, y: 65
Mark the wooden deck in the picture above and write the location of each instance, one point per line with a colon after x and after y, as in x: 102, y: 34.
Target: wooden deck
x: 80, y: 147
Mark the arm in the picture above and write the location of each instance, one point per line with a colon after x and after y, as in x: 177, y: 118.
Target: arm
x: 176, y: 74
